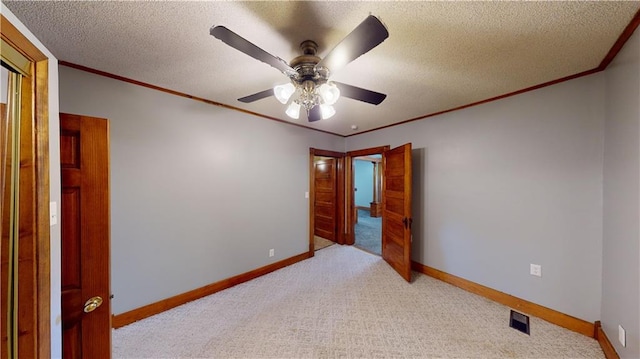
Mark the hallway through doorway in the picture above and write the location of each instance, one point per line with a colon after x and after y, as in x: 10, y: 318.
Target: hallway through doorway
x: 368, y: 232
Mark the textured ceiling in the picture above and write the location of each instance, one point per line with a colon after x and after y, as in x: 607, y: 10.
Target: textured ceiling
x: 439, y: 55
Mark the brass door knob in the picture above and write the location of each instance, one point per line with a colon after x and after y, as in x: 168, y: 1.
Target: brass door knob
x: 91, y: 304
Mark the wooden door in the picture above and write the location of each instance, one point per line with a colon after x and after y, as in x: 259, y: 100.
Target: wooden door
x: 325, y: 218
x: 396, y: 207
x: 84, y: 158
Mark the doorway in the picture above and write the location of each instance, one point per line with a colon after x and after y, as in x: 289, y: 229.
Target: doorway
x: 325, y: 204
x: 366, y: 186
x: 367, y: 178
x: 326, y: 199
x: 24, y: 198
x: 395, y: 184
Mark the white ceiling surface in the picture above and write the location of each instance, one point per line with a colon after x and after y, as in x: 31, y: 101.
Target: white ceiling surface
x: 439, y: 55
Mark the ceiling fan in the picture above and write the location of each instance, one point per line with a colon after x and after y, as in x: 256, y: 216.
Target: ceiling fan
x: 309, y: 85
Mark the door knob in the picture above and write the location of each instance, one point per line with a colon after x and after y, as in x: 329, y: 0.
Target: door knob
x: 91, y: 304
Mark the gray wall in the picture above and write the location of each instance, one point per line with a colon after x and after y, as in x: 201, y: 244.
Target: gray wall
x: 54, y: 182
x: 509, y: 183
x: 621, y: 242
x: 363, y: 178
x: 199, y: 193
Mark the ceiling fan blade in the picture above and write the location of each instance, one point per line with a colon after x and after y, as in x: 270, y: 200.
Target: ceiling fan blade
x: 314, y: 114
x: 360, y: 94
x: 239, y: 43
x: 369, y: 34
x: 256, y: 96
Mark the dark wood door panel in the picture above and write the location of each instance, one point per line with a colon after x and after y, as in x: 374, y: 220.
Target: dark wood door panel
x: 326, y: 223
x: 326, y: 211
x: 84, y: 153
x: 325, y: 207
x: 325, y: 197
x: 396, y: 207
x: 71, y: 275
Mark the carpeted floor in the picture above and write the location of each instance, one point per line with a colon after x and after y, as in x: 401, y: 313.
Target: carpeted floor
x: 344, y: 303
x: 368, y: 232
x: 319, y: 243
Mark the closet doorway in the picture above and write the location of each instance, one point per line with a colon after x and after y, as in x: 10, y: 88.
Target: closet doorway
x: 326, y: 199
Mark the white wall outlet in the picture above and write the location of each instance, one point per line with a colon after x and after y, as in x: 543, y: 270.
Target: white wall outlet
x: 306, y: 195
x: 272, y: 252
x: 536, y: 270
x: 622, y: 337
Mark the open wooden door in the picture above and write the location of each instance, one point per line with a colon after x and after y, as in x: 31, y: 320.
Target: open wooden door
x: 325, y: 206
x: 86, y: 304
x: 396, y: 207
x: 326, y: 196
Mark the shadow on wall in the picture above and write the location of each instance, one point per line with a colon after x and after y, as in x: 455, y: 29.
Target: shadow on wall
x: 418, y: 200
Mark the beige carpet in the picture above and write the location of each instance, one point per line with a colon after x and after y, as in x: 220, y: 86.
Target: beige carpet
x: 319, y: 243
x: 345, y: 303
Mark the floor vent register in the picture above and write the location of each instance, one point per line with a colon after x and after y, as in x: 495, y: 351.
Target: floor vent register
x: 519, y: 321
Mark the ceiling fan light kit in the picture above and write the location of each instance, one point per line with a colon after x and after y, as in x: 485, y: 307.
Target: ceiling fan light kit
x: 284, y: 92
x: 293, y: 110
x: 308, y: 95
x: 327, y: 111
x: 309, y: 85
x: 329, y: 93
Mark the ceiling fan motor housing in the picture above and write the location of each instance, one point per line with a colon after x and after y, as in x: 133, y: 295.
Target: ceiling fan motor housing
x: 305, y: 65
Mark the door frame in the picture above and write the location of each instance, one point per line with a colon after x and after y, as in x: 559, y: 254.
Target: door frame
x: 340, y: 194
x: 35, y: 145
x: 350, y: 237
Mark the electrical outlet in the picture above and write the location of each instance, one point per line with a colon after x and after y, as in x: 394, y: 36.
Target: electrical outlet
x: 622, y: 336
x: 272, y: 252
x: 536, y: 270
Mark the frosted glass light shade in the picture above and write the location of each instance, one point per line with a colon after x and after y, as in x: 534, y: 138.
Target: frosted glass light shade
x: 327, y: 111
x: 329, y: 93
x: 284, y: 92
x: 293, y: 110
